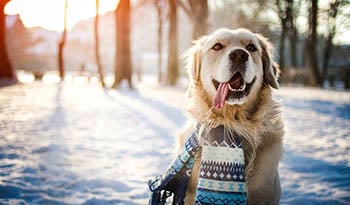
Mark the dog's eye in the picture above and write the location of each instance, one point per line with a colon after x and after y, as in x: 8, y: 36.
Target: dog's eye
x: 250, y: 47
x: 217, y: 46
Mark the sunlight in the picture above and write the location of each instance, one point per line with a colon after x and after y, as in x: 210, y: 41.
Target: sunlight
x: 51, y: 78
x: 49, y: 14
x: 25, y: 77
x: 80, y: 79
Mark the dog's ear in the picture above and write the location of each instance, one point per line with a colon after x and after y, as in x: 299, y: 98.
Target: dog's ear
x: 196, y: 106
x: 271, y: 68
x: 193, y: 59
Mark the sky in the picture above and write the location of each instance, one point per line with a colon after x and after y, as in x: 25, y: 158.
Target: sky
x: 49, y: 13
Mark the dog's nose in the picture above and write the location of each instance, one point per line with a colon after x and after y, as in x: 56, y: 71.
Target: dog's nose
x: 238, y: 56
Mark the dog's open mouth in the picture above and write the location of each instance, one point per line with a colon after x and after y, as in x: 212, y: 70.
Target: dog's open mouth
x: 231, y: 91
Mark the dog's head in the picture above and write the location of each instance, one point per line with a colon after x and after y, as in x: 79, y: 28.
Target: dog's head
x: 233, y: 65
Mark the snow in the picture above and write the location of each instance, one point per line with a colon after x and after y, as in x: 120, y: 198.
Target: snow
x: 316, y: 164
x: 75, y: 143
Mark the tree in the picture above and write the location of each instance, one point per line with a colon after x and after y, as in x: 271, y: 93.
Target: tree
x: 172, y: 64
x: 97, y: 53
x: 292, y: 32
x: 332, y: 13
x: 160, y: 6
x: 6, y: 70
x: 123, y: 67
x: 286, y: 15
x: 312, y: 62
x: 62, y: 43
x: 283, y: 18
x: 198, y: 12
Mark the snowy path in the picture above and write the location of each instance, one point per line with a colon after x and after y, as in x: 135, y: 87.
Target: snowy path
x: 316, y: 164
x: 76, y: 143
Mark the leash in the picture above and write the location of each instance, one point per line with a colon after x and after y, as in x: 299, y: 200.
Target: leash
x: 221, y: 175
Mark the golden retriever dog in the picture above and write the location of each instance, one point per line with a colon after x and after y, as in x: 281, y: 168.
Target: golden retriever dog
x: 232, y: 75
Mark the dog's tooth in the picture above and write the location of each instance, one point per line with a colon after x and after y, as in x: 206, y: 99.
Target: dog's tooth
x: 230, y: 88
x: 242, y: 87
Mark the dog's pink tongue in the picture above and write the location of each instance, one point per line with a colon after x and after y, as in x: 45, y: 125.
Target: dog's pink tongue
x: 221, y: 95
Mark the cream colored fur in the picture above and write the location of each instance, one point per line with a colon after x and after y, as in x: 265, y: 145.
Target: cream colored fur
x: 258, y: 120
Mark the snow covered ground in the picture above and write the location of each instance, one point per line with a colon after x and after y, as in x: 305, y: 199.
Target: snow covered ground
x: 75, y: 143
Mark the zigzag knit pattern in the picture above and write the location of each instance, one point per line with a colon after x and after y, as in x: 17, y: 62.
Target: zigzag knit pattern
x: 221, y: 177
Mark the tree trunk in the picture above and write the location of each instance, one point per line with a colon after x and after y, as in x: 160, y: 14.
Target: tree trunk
x: 62, y: 43
x: 160, y: 35
x: 346, y: 78
x: 6, y: 70
x: 97, y: 47
x: 293, y: 41
x: 326, y: 56
x: 327, y: 51
x: 283, y: 19
x: 200, y: 13
x: 197, y: 11
x: 172, y: 66
x: 123, y: 67
x: 292, y: 32
x: 282, y: 45
x: 312, y: 61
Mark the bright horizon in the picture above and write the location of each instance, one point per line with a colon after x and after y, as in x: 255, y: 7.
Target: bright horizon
x: 49, y: 13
